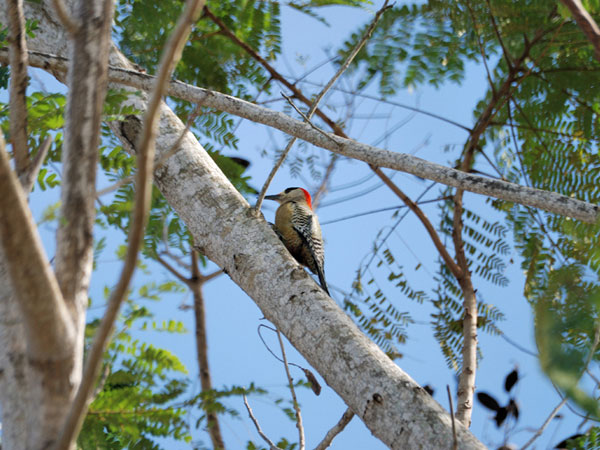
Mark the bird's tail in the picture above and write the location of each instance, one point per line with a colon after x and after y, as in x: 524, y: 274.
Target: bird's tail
x: 322, y: 280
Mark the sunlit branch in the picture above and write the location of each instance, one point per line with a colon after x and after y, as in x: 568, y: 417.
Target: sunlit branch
x: 18, y: 84
x: 548, y: 201
x: 145, y: 161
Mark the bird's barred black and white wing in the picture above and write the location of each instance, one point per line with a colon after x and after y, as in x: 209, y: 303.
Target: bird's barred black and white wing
x: 308, y: 228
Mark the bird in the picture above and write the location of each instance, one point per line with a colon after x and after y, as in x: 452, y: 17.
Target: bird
x: 298, y: 227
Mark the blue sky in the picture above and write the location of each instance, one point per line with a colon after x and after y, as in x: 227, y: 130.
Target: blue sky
x: 238, y: 357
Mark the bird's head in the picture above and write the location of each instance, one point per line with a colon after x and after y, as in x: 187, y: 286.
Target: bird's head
x: 292, y: 194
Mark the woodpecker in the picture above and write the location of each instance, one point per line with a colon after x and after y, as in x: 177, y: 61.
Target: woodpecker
x: 298, y: 227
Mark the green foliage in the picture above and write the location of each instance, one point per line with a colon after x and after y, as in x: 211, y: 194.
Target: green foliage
x: 141, y: 388
x: 589, y: 441
x: 567, y: 316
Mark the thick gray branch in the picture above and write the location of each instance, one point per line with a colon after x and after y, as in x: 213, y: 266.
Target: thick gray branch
x: 389, y: 402
x: 547, y: 201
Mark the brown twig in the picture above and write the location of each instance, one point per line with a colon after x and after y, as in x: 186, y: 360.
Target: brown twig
x: 146, y: 150
x: 441, y: 248
x: 272, y: 446
x: 335, y: 430
x: 454, y: 438
x: 481, y: 49
x: 197, y: 282
x: 315, y: 103
x: 299, y: 425
x: 18, y: 84
x: 466, y: 384
x: 507, y: 57
x: 316, y: 199
x: 586, y: 23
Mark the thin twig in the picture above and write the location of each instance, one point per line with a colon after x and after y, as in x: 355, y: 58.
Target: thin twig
x: 500, y: 40
x: 316, y: 199
x: 439, y: 245
x: 337, y: 429
x: 545, y: 424
x: 211, y: 414
x: 65, y: 17
x: 307, y: 119
x: 173, y: 271
x: 299, y: 425
x: 319, y: 97
x: 272, y: 446
x: 389, y: 208
x: 18, y: 84
x: 481, y: 49
x: 146, y: 150
x: 454, y: 438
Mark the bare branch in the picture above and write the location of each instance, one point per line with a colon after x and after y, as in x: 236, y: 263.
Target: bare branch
x: 173, y: 271
x: 337, y: 429
x: 326, y: 177
x: 507, y: 57
x: 299, y: 425
x: 212, y: 275
x: 18, y: 83
x: 212, y: 420
x: 313, y: 107
x: 47, y: 323
x: 441, y: 248
x: 145, y: 162
x: 481, y: 49
x: 87, y: 81
x: 547, y: 201
x: 454, y: 439
x: 272, y: 446
x: 586, y: 23
x: 67, y: 20
x: 27, y: 178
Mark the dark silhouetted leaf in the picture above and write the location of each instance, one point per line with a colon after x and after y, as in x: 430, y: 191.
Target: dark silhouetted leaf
x: 501, y: 416
x: 488, y: 401
x: 511, y: 380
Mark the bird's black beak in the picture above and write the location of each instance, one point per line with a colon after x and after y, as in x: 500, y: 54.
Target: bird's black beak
x: 272, y: 197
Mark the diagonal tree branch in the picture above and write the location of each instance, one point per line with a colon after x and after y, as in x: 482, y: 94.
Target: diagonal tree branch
x: 87, y: 81
x: 47, y: 327
x: 337, y: 429
x: 586, y: 23
x: 18, y: 83
x: 547, y: 201
x: 145, y: 162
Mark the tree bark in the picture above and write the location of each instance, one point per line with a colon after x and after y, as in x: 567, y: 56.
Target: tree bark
x: 548, y: 201
x: 389, y: 402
